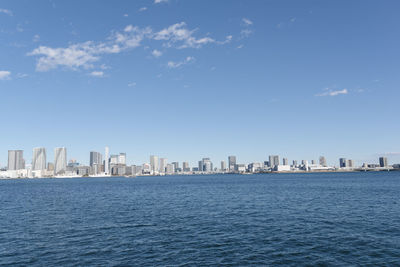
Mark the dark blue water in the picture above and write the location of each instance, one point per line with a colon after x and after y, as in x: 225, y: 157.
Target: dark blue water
x: 290, y: 219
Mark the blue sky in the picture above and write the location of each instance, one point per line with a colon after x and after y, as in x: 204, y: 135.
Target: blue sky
x: 192, y: 79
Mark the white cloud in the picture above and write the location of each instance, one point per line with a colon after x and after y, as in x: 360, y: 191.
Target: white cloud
x: 97, y: 74
x: 247, y: 21
x: 6, y: 11
x: 156, y: 53
x: 84, y: 55
x: 142, y: 9
x: 329, y: 92
x: 160, y: 1
x: 240, y: 46
x: 4, y: 74
x: 36, y: 38
x: 132, y: 84
x: 174, y: 65
x: 126, y: 15
x: 180, y: 35
x: 245, y: 33
x: 293, y: 19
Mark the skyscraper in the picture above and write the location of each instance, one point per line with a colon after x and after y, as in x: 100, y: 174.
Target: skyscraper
x: 231, y: 163
x: 106, y: 162
x: 383, y: 162
x: 322, y: 161
x: 16, y: 160
x: 185, y: 166
x: 176, y: 165
x: 95, y: 158
x: 163, y: 164
x: 39, y: 159
x: 154, y: 164
x: 122, y: 158
x: 285, y: 161
x: 273, y: 161
x: 60, y: 160
x: 342, y: 163
x: 223, y: 165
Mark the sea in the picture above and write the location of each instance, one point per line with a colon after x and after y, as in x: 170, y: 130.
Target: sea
x: 323, y: 219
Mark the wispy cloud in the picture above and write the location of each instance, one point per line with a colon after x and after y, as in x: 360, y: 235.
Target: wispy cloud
x: 247, y: 22
x: 4, y: 74
x: 36, y: 38
x: 174, y: 65
x: 6, y: 11
x: 97, y: 74
x: 330, y: 92
x: 84, y: 55
x: 132, y: 84
x: 160, y: 1
x: 142, y: 9
x: 156, y: 53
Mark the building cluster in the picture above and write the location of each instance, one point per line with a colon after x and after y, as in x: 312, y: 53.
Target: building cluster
x: 116, y: 165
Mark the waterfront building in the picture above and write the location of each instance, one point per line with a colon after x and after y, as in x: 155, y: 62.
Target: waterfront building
x: 163, y: 164
x: 313, y: 162
x: 350, y: 163
x: 322, y: 161
x: 106, y: 161
x: 60, y: 160
x: 200, y: 167
x: 185, y: 166
x: 39, y: 159
x: 170, y: 168
x: 176, y: 166
x: 154, y: 164
x: 114, y: 159
x: 294, y: 162
x: 15, y: 160
x: 273, y: 161
x: 122, y: 158
x: 223, y: 165
x: 95, y: 158
x: 146, y: 168
x: 285, y: 161
x: 231, y: 163
x: 342, y: 163
x: 383, y: 162
x: 240, y: 168
x: 50, y: 167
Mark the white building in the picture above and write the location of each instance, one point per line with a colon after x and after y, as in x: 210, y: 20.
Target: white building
x: 39, y: 159
x: 163, y: 164
x: 60, y: 160
x: 154, y: 164
x: 15, y: 160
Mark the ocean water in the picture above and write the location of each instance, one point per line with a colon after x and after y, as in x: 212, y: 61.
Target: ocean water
x: 272, y: 219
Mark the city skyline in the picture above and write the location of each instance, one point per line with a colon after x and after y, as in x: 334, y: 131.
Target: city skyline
x: 191, y: 79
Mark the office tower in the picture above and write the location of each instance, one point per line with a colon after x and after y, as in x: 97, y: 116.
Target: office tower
x: 122, y: 158
x: 170, y: 169
x: 60, y: 160
x: 176, y: 165
x: 206, y: 165
x: 106, y: 162
x: 185, y: 166
x: 231, y: 162
x: 163, y: 164
x: 223, y: 165
x: 114, y: 159
x: 273, y: 161
x: 15, y: 160
x: 383, y: 162
x: 322, y: 161
x: 39, y: 159
x: 350, y: 163
x: 154, y: 164
x: 95, y: 158
x: 342, y: 163
x: 200, y: 165
x: 313, y: 162
x: 285, y: 161
x: 294, y: 162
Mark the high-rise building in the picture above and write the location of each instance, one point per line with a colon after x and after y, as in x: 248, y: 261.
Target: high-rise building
x: 106, y: 161
x: 273, y: 161
x: 95, y: 158
x: 114, y: 159
x: 383, y: 162
x: 154, y: 164
x: 231, y: 163
x: 176, y: 165
x: 39, y: 159
x: 50, y: 167
x: 294, y: 162
x: 170, y: 169
x: 200, y: 165
x: 60, y: 160
x: 342, y: 163
x: 350, y: 163
x: 223, y: 165
x: 122, y: 158
x: 16, y: 160
x: 322, y: 161
x: 163, y: 164
x: 185, y: 166
x: 285, y: 161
